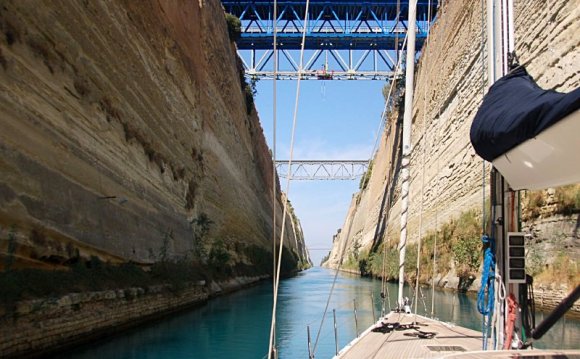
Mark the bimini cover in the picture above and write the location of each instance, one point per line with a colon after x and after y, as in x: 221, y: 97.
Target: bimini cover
x: 516, y: 109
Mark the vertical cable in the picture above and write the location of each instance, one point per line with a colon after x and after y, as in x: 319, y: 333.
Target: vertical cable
x: 407, y: 147
x: 483, y: 209
x: 274, y: 177
x: 288, y: 179
x: 383, y: 116
x: 487, y: 318
x: 434, y: 267
x: 424, y: 140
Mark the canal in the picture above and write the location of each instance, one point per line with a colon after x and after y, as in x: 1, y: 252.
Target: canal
x: 237, y: 325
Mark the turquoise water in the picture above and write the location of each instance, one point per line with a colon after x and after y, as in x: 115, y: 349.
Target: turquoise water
x: 237, y: 325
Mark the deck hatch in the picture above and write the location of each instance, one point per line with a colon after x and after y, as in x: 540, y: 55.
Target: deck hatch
x: 446, y: 348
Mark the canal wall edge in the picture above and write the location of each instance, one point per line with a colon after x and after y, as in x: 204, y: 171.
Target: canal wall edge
x: 44, y: 326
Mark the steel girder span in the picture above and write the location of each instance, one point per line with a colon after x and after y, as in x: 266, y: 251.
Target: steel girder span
x: 322, y: 170
x: 346, y: 39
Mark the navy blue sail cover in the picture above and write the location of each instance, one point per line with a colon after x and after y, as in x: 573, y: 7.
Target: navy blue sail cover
x: 516, y: 109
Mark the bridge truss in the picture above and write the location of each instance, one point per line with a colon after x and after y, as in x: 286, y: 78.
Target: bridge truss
x: 322, y: 170
x: 345, y: 39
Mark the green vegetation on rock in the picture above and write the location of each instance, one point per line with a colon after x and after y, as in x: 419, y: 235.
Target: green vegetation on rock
x: 364, y: 181
x: 234, y: 26
x: 458, y: 241
x: 563, y: 200
x: 94, y: 275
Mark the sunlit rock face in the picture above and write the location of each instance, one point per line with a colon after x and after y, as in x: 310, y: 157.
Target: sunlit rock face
x: 446, y: 174
x: 125, y: 135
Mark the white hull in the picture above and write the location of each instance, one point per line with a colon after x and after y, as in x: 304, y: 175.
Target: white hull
x: 550, y: 159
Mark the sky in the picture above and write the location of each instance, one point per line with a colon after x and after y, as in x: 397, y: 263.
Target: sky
x: 336, y: 120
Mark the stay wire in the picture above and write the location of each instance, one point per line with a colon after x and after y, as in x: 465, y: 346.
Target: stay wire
x: 486, y: 311
x: 383, y: 116
x: 332, y: 287
x: 373, y: 152
x: 288, y: 180
x: 424, y: 140
x: 274, y: 177
x: 483, y: 184
x: 386, y: 107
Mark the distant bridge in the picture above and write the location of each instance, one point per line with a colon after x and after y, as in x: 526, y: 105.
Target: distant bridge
x: 322, y: 170
x: 345, y: 39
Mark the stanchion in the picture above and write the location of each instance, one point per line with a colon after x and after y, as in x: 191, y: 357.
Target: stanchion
x: 310, y: 354
x: 373, y: 307
x: 335, y: 332
x: 355, y: 320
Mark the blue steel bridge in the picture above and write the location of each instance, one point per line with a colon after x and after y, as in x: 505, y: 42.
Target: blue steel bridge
x: 345, y: 39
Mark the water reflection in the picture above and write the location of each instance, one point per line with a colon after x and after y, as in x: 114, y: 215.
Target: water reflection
x: 237, y: 325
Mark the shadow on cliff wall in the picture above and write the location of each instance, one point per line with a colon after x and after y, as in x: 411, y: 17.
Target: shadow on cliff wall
x: 390, y: 185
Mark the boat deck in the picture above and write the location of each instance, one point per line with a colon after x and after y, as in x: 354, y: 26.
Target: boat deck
x: 397, y: 337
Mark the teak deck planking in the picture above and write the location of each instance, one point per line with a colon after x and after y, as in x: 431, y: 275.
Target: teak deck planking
x: 398, y: 343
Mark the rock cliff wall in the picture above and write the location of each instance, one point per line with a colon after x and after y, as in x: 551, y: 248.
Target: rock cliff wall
x: 446, y: 175
x: 43, y: 325
x: 125, y: 134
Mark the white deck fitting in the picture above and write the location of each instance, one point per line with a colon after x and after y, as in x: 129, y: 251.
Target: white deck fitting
x: 550, y: 159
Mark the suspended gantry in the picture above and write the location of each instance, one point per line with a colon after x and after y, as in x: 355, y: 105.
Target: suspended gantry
x: 345, y: 39
x: 322, y: 170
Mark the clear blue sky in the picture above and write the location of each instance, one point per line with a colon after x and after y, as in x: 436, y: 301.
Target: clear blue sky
x: 336, y: 120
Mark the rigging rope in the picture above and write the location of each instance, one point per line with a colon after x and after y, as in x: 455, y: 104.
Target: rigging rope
x: 434, y: 261
x: 288, y: 179
x: 489, y: 277
x: 385, y: 109
x: 483, y: 219
x: 485, y: 303
x: 381, y: 122
x: 383, y: 116
x: 500, y: 295
x: 332, y: 287
x: 424, y: 140
x: 274, y: 177
x: 511, y: 319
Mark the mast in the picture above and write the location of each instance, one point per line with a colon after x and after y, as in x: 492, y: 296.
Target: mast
x: 407, y: 120
x: 500, y: 41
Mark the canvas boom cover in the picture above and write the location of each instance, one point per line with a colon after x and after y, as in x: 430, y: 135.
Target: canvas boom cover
x: 516, y: 109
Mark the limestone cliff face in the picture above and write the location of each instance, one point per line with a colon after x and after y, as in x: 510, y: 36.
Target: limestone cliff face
x: 446, y: 174
x: 125, y: 134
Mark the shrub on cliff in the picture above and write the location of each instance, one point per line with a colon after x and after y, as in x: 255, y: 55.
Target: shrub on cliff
x: 234, y: 26
x: 458, y: 241
x: 568, y: 199
x: 364, y: 181
x: 532, y: 204
x: 249, y: 96
x: 201, y: 226
x: 219, y: 257
x: 374, y: 263
x: 551, y: 267
x: 467, y: 243
x: 249, y: 90
x: 565, y: 201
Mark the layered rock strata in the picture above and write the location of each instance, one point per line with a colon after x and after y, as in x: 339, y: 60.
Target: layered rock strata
x: 446, y: 174
x: 127, y: 137
x: 124, y: 130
